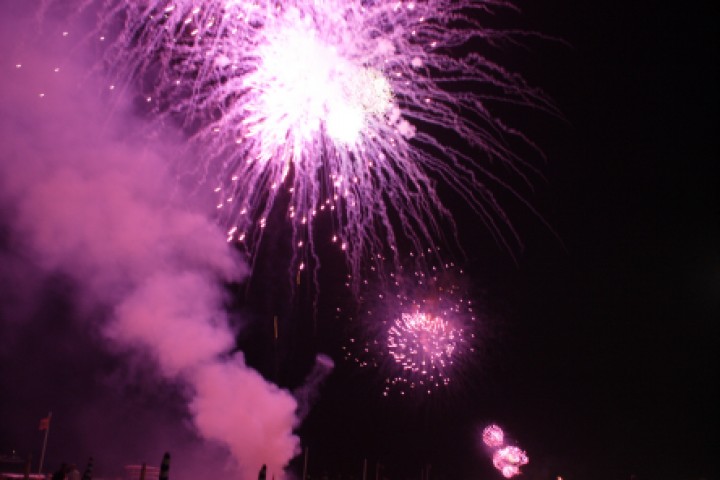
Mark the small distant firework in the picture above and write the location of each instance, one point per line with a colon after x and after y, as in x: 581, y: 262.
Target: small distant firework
x: 509, y: 460
x: 335, y: 108
x: 506, y: 458
x: 419, y: 332
x: 493, y: 436
x: 423, y: 342
x: 424, y: 345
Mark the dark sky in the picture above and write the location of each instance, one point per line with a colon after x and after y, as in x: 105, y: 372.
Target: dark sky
x: 628, y: 311
x: 603, y: 361
x: 600, y: 355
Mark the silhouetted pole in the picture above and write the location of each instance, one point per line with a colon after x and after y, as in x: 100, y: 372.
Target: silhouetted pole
x: 165, y: 467
x: 276, y: 363
x: 425, y: 472
x: 307, y: 450
x: 44, y: 425
x: 262, y: 474
x: 142, y: 471
x: 364, y: 477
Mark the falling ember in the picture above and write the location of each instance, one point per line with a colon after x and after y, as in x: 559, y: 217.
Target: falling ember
x: 365, y: 94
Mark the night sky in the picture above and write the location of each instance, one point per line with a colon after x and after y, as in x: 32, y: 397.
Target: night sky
x: 604, y: 358
x: 599, y: 349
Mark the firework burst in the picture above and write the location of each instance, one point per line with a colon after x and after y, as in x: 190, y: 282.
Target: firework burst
x: 507, y: 459
x: 493, y: 436
x: 424, y: 344
x: 338, y: 108
x: 419, y: 332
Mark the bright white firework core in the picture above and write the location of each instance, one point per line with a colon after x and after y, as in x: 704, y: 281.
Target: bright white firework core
x: 306, y: 84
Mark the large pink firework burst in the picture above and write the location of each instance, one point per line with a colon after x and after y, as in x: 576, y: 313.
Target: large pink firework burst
x: 347, y: 109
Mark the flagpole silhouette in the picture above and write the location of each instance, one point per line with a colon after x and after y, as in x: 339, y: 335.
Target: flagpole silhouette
x: 44, y: 425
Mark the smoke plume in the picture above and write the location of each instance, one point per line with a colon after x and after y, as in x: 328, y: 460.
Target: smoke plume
x: 86, y: 200
x: 308, y: 392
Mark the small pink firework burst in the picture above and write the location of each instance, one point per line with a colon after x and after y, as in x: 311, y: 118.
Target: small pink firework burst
x: 424, y: 344
x: 493, y: 436
x: 419, y: 331
x: 509, y: 460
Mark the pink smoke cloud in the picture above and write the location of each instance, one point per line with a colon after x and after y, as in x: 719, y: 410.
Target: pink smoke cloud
x: 89, y: 197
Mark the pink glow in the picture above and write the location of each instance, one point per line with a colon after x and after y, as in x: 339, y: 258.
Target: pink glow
x: 506, y: 458
x: 509, y: 460
x: 493, y: 436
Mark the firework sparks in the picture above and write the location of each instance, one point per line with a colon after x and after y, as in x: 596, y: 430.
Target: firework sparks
x: 507, y: 459
x: 419, y: 332
x: 493, y: 436
x: 329, y: 107
x: 424, y: 344
x: 427, y: 344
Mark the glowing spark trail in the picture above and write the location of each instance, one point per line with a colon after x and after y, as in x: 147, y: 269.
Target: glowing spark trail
x: 352, y: 109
